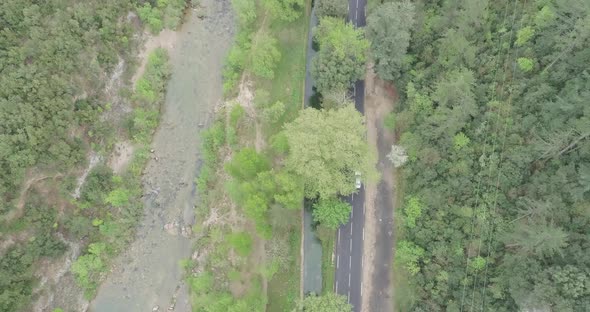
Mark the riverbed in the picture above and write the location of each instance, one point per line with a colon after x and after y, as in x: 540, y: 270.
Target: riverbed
x: 148, y: 274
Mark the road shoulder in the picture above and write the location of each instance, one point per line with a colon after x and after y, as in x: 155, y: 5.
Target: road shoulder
x: 378, y: 237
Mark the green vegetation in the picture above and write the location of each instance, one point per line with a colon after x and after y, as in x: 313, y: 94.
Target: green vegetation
x: 58, y: 59
x: 331, y: 213
x: 161, y: 14
x: 327, y: 237
x: 262, y: 245
x: 329, y: 302
x: 113, y: 202
x: 18, y: 262
x: 326, y: 148
x: 342, y: 56
x: 493, y: 116
x: 284, y: 10
x: 50, y: 57
x: 335, y: 8
x: 389, y: 31
x: 149, y: 92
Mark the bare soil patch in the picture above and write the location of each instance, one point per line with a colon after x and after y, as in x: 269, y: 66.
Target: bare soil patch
x: 121, y: 156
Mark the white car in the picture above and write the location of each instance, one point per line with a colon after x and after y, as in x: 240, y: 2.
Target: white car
x: 357, y: 182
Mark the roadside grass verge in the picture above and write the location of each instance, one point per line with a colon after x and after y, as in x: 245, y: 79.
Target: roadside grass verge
x: 283, y: 288
x: 327, y: 237
x: 287, y: 85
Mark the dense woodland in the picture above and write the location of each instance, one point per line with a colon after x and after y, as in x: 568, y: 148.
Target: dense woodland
x: 495, y: 119
x: 56, y: 59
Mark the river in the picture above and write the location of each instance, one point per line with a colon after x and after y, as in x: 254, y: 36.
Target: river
x: 147, y: 274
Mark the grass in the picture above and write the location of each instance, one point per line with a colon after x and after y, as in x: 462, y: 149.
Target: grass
x: 287, y: 86
x: 283, y: 288
x: 328, y: 268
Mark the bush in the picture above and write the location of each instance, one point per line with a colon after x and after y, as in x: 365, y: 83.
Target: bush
x: 89, y: 268
x: 241, y: 242
x: 389, y: 121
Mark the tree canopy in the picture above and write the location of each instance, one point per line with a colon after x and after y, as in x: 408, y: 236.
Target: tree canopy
x: 326, y: 148
x: 388, y: 29
x: 494, y: 118
x: 335, y: 8
x: 331, y: 212
x: 342, y: 56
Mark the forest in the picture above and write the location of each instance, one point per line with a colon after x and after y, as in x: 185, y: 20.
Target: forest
x: 494, y: 118
x: 56, y: 61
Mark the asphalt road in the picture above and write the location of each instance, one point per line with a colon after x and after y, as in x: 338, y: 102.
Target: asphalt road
x: 349, y: 252
x: 350, y: 237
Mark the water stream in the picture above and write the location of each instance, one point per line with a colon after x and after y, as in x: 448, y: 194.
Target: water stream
x: 147, y: 276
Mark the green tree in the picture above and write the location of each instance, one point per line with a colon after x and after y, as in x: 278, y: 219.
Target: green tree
x: 538, y: 239
x: 335, y: 8
x: 413, y: 211
x: 246, y: 164
x: 329, y: 302
x: 331, y: 212
x: 286, y: 10
x: 245, y: 10
x: 524, y: 35
x: 525, y: 64
x: 241, y: 242
x: 460, y: 140
x: 409, y: 254
x: 264, y: 56
x: 388, y: 29
x: 326, y: 148
x: 342, y: 55
x: 89, y: 268
x: 119, y: 197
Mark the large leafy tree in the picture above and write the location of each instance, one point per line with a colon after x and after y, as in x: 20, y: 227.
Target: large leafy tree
x: 342, y: 56
x: 286, y: 10
x: 388, y: 29
x: 326, y: 148
x: 331, y: 212
x: 336, y: 8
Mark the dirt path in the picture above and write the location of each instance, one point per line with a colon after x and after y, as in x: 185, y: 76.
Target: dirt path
x: 148, y: 274
x: 378, y: 248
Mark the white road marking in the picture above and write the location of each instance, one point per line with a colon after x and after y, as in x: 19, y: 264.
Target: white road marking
x: 362, y: 262
x: 337, y: 261
x: 363, y: 233
x: 357, y: 4
x: 351, y: 245
x: 352, y: 212
x: 349, y: 284
x: 364, y: 208
x: 351, y: 231
x: 350, y: 263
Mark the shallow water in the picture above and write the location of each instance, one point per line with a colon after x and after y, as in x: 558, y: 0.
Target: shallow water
x: 148, y: 273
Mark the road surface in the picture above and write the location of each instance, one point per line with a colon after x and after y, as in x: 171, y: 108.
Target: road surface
x: 350, y: 237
